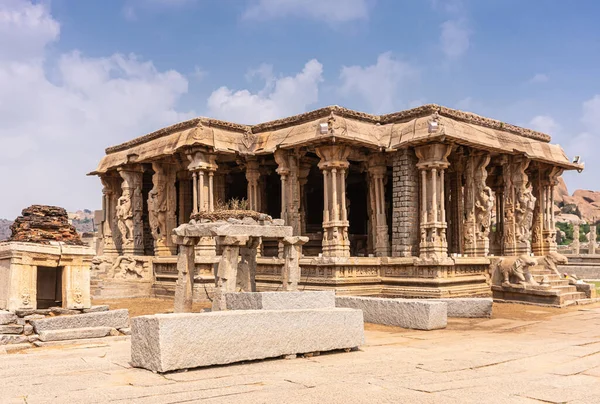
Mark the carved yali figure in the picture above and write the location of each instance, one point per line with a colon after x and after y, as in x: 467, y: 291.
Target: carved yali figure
x: 552, y: 260
x: 125, y: 218
x: 515, y: 270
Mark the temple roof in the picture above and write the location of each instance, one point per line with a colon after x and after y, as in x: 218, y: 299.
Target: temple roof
x: 334, y: 123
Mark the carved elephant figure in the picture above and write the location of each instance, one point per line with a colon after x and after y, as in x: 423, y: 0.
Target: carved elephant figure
x: 515, y: 269
x: 552, y: 260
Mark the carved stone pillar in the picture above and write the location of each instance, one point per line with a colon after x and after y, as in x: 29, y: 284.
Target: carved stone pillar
x: 184, y: 288
x: 291, y: 268
x: 161, y: 208
x: 246, y: 279
x: 433, y: 160
x: 129, y: 211
x: 111, y: 240
x: 226, y: 279
x: 253, y: 177
x: 575, y: 245
x: 479, y: 201
x: 524, y: 205
x: 203, y: 166
x: 377, y: 169
x: 592, y: 242
x: 287, y: 169
x: 334, y: 164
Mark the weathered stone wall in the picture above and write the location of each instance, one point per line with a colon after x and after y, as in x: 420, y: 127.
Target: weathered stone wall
x: 405, y: 198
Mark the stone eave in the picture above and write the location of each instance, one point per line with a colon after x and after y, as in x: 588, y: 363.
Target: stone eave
x: 321, y: 113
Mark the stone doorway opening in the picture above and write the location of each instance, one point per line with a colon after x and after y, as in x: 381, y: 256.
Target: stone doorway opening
x: 356, y: 206
x: 49, y: 287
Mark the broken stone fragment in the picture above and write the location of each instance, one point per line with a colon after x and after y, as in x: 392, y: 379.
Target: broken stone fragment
x: 60, y: 310
x: 278, y: 222
x: 33, y: 317
x: 248, y: 221
x: 74, y: 333
x: 125, y: 331
x: 95, y: 309
x: 27, y: 329
x: 11, y: 329
x: 12, y: 339
x: 24, y: 312
x: 6, y: 317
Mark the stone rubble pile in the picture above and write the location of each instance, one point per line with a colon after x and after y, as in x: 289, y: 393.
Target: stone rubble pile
x: 27, y: 328
x: 42, y: 224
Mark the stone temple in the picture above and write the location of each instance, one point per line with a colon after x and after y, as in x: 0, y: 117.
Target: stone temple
x: 417, y: 203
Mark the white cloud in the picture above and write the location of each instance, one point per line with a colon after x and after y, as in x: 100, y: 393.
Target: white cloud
x: 280, y: 96
x: 25, y: 30
x: 455, y: 38
x: 545, y: 124
x: 381, y: 84
x: 539, y: 78
x: 54, y: 131
x: 333, y: 11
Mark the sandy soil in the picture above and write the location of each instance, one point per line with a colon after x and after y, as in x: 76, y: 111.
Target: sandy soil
x: 143, y: 306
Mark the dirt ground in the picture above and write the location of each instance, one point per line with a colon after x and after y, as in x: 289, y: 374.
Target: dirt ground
x: 143, y: 306
x: 510, y: 311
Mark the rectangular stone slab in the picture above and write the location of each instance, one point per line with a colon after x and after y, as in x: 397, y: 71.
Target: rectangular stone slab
x: 280, y: 300
x: 112, y: 318
x: 74, y: 333
x: 405, y: 313
x: 468, y: 307
x: 166, y: 342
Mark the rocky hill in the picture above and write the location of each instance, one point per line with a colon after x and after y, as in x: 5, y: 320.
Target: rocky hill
x: 582, y: 206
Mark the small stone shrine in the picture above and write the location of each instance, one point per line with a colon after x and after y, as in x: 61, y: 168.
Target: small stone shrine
x: 44, y: 263
x: 237, y: 238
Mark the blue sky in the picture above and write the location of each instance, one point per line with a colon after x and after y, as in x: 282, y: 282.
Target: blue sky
x: 77, y: 76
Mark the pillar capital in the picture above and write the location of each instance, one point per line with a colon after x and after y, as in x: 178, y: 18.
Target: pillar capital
x: 333, y: 156
x: 201, y: 160
x: 433, y: 156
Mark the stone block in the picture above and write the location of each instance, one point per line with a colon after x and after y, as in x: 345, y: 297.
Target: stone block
x: 96, y: 309
x: 74, y: 333
x: 33, y: 317
x: 405, y: 313
x: 468, y: 307
x: 280, y: 300
x: 28, y: 329
x: 12, y: 339
x: 11, y: 329
x: 112, y: 319
x: 6, y: 317
x: 167, y: 342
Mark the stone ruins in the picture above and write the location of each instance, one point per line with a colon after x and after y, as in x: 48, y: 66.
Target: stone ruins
x: 415, y: 204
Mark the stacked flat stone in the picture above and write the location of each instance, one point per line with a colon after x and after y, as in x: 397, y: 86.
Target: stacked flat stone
x: 405, y: 194
x: 43, y: 224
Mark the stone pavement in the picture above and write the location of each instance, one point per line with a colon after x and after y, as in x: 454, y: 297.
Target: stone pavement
x: 555, y: 360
